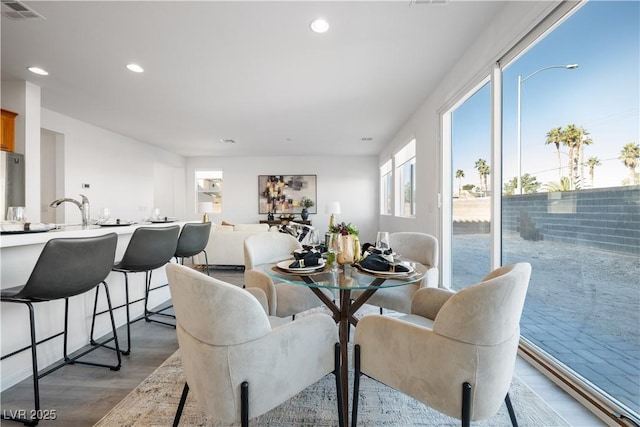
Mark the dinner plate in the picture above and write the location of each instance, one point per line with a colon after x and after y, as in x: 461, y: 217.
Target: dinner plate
x: 115, y: 224
x: 161, y: 221
x: 389, y: 273
x: 24, y: 231
x: 284, y: 265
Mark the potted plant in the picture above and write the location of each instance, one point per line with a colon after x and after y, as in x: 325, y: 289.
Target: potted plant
x: 306, y: 203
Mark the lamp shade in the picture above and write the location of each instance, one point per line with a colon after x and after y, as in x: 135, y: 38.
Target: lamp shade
x: 205, y: 207
x: 333, y: 208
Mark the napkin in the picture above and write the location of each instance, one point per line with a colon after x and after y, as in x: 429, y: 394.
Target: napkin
x: 309, y: 259
x: 376, y: 262
x: 26, y: 226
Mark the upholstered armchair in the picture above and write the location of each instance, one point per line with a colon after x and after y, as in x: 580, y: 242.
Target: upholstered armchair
x: 237, y: 362
x: 455, y: 352
x: 283, y: 299
x: 419, y: 247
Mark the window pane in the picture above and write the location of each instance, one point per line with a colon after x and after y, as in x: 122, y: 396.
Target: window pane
x: 386, y: 194
x: 405, y: 174
x: 208, y: 191
x: 575, y: 216
x: 471, y: 202
x: 407, y: 188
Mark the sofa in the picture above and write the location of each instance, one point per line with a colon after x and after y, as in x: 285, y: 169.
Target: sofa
x: 226, y: 243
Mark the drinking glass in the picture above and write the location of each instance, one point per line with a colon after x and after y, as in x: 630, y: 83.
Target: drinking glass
x: 15, y: 213
x: 382, y: 240
x: 105, y: 214
x: 156, y: 214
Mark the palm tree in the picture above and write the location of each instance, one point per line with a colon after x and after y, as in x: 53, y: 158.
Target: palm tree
x: 483, y: 170
x: 554, y: 136
x: 459, y: 176
x: 563, y: 185
x: 630, y: 156
x: 573, y: 137
x: 510, y: 186
x: 592, y: 162
x: 528, y: 182
x: 585, y: 141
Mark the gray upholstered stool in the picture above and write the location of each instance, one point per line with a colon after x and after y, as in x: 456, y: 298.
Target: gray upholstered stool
x: 193, y: 239
x: 148, y: 249
x: 66, y: 267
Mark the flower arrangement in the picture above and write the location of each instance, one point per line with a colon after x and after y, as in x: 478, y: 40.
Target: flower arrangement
x: 350, y: 252
x: 343, y: 229
x: 306, y: 202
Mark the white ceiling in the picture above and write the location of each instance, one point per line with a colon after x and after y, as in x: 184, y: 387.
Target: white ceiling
x: 248, y: 71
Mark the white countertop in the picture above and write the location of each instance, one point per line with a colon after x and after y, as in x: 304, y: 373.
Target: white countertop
x: 12, y: 240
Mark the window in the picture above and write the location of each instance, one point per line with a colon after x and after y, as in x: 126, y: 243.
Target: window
x: 563, y: 196
x: 405, y: 161
x: 386, y: 193
x: 470, y: 192
x: 208, y: 192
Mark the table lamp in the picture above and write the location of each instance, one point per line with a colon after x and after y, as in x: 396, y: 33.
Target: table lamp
x: 205, y: 208
x: 332, y: 208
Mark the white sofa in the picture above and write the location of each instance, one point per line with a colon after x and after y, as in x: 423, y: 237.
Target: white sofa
x: 226, y: 243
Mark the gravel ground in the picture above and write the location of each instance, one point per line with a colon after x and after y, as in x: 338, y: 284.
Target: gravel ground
x: 599, y: 288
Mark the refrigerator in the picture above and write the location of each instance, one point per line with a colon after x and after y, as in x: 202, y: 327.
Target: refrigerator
x: 12, y: 181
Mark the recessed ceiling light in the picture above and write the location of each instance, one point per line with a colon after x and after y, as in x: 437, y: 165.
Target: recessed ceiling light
x: 319, y: 25
x: 135, y: 68
x: 38, y: 70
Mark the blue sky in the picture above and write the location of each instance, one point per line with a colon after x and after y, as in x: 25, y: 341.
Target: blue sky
x: 602, y: 95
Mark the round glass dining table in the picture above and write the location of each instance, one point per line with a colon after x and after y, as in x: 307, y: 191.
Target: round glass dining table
x: 348, y: 278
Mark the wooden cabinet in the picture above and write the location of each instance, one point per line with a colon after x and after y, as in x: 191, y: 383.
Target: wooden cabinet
x: 8, y: 130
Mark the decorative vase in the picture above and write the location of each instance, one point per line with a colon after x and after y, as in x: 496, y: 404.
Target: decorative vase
x: 304, y: 214
x: 350, y: 252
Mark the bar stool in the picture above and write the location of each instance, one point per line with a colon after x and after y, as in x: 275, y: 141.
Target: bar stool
x: 66, y: 267
x: 148, y: 249
x: 193, y: 240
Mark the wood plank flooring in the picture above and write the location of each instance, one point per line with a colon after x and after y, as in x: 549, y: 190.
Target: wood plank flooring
x: 81, y: 395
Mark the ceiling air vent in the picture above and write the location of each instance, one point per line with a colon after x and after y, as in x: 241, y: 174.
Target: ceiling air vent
x: 16, y: 10
x: 433, y: 2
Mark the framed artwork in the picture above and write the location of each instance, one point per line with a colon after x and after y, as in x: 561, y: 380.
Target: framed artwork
x: 283, y: 193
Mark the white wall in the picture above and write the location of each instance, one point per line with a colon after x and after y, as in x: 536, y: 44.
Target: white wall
x: 24, y: 98
x: 511, y: 25
x: 122, y: 172
x: 353, y: 181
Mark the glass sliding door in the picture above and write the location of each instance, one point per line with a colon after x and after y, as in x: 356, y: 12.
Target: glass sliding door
x: 570, y: 199
x: 470, y: 189
x: 569, y: 160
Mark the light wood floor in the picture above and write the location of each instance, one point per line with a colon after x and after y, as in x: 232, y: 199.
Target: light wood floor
x: 81, y: 395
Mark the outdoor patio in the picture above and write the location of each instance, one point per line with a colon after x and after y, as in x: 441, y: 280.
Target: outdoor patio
x: 583, y: 306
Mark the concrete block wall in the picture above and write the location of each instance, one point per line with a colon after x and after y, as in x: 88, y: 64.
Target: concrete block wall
x: 603, y: 218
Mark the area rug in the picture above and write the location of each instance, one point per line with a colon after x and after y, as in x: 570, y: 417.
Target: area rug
x: 154, y: 402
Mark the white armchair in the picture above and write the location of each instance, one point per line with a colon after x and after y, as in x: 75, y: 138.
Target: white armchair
x: 236, y: 362
x: 455, y: 352
x: 283, y: 299
x: 419, y: 247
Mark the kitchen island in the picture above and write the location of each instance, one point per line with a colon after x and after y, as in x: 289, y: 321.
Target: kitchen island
x: 19, y: 254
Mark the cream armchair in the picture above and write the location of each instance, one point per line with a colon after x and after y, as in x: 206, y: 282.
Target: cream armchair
x: 419, y: 247
x: 455, y: 352
x: 283, y: 299
x: 236, y: 362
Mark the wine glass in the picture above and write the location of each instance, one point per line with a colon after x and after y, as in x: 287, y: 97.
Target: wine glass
x: 382, y: 241
x: 314, y: 238
x: 334, y: 247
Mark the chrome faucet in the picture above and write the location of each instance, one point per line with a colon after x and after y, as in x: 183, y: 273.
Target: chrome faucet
x: 83, y: 206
